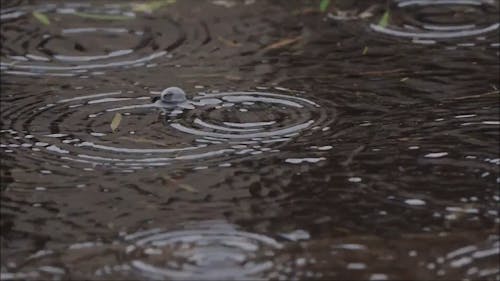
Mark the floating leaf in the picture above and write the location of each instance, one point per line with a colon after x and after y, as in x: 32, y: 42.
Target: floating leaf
x: 41, y: 18
x: 151, y: 6
x: 365, y: 50
x: 102, y: 16
x: 116, y: 121
x: 384, y: 21
x: 324, y: 5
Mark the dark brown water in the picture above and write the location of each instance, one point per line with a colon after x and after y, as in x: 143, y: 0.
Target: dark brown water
x: 314, y: 145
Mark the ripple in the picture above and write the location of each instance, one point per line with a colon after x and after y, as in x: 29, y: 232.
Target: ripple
x: 213, y: 250
x: 427, y: 21
x: 81, y: 39
x: 238, y: 116
x: 475, y: 261
x: 217, y: 126
x: 204, y: 250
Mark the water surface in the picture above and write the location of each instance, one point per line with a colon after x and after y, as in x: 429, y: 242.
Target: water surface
x: 315, y: 146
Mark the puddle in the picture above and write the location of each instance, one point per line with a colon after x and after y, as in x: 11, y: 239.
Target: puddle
x: 313, y: 145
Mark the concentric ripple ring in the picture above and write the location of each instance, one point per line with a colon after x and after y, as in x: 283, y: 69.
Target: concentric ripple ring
x: 422, y: 24
x: 81, y: 39
x: 216, y: 125
x: 214, y: 250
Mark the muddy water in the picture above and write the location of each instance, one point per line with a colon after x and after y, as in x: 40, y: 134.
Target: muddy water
x: 312, y: 146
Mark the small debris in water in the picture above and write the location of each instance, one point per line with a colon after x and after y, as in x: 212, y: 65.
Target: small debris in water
x: 300, y: 160
x: 415, y: 202
x: 282, y: 43
x: 378, y: 277
x: 296, y: 235
x: 326, y: 147
x: 52, y: 269
x: 356, y: 266
x: 436, y: 155
x: 117, y: 119
x: 423, y: 41
x: 95, y: 134
x: 200, y: 168
x: 56, y: 149
x: 224, y: 3
x: 354, y: 179
x: 56, y: 135
x: 353, y: 247
x: 151, y: 251
x: 465, y: 116
x: 300, y: 261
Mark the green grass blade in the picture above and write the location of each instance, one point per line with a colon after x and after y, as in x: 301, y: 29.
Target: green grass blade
x: 384, y: 21
x: 41, y: 18
x: 324, y: 5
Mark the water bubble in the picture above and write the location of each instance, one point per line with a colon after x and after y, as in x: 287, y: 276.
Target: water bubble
x: 436, y: 155
x: 415, y: 202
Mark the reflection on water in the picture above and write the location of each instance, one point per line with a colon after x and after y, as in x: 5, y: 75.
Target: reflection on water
x: 311, y: 147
